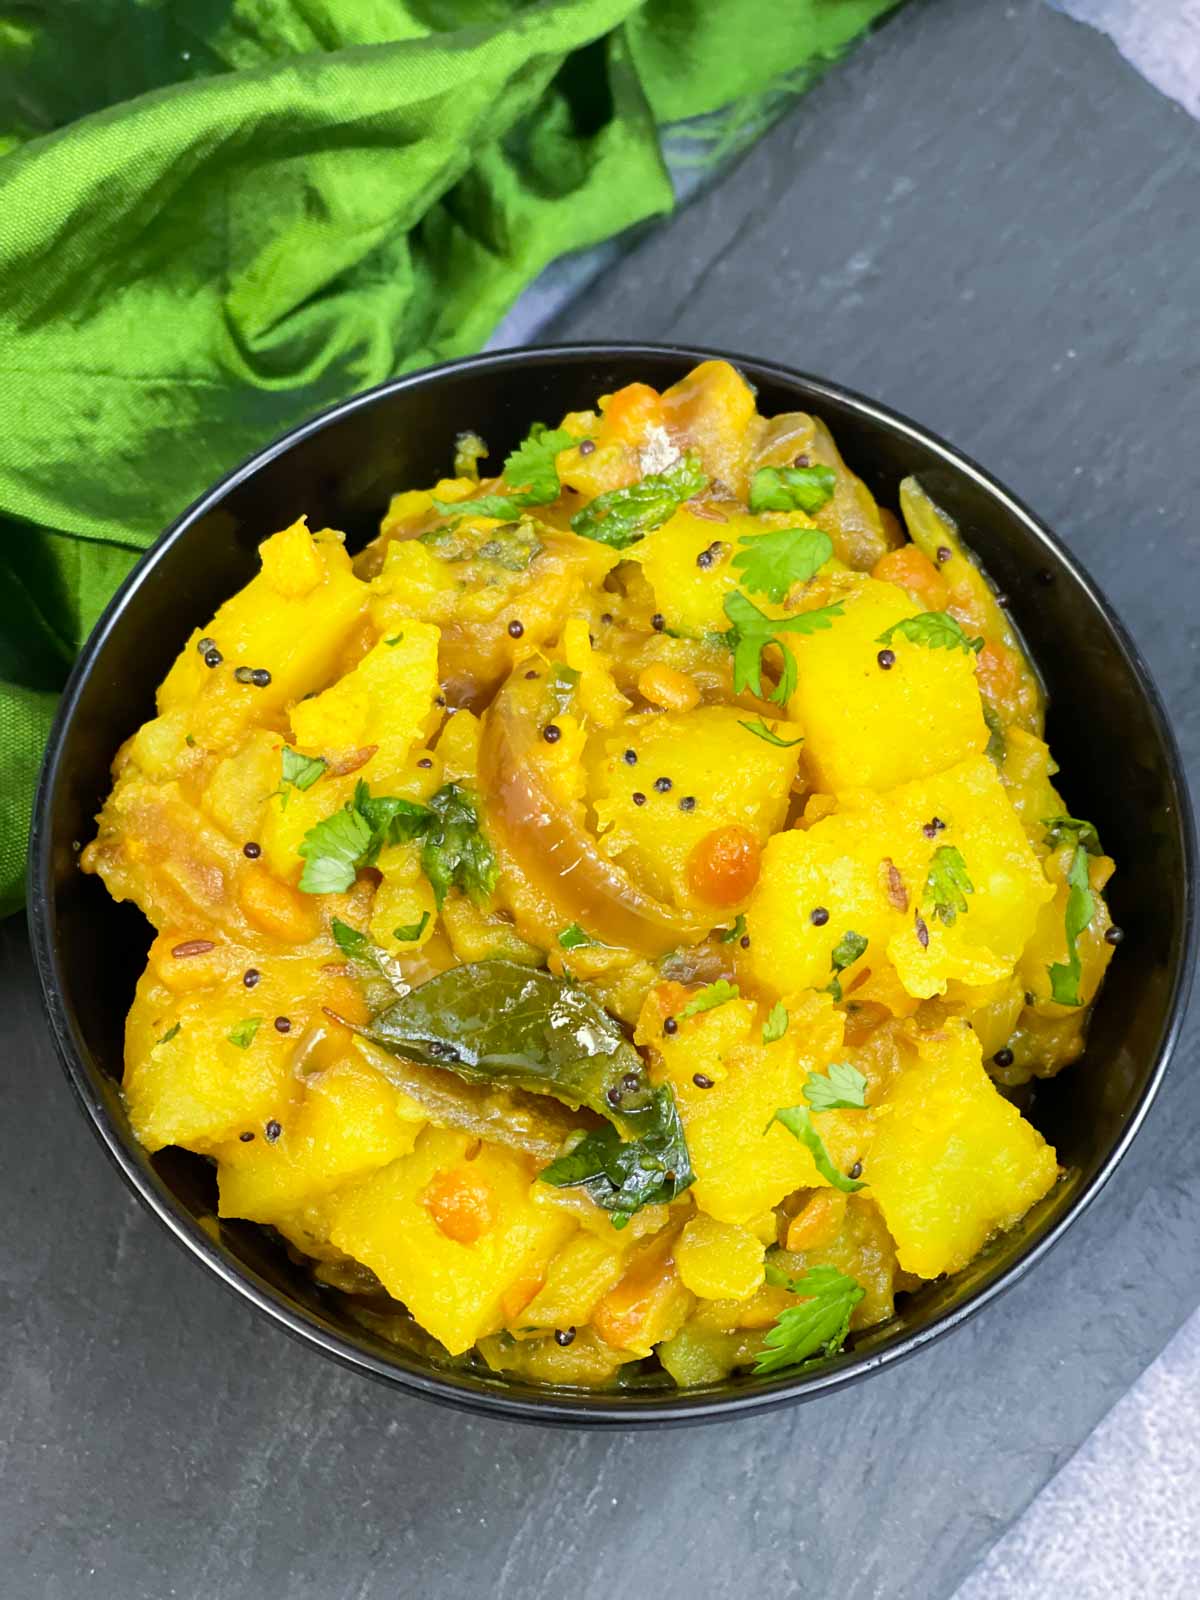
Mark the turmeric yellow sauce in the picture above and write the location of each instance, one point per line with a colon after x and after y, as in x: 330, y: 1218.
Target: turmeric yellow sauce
x: 611, y: 918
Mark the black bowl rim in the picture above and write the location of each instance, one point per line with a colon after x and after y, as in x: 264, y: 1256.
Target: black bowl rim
x: 632, y: 1411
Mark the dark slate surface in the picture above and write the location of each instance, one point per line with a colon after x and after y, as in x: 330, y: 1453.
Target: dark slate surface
x: 989, y: 221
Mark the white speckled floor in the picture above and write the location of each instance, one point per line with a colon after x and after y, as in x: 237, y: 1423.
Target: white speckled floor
x: 1120, y: 1520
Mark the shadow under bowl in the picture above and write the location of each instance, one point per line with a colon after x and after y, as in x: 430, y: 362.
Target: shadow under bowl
x: 1106, y: 725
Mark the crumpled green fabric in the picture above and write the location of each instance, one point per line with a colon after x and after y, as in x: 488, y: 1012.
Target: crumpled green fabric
x: 218, y: 217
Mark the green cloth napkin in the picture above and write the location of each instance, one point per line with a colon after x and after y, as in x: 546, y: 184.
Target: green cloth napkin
x: 218, y: 217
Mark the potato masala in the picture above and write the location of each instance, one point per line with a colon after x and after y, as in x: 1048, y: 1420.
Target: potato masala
x: 614, y: 920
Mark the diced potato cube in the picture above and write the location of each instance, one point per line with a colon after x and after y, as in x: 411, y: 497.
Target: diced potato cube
x: 402, y: 901
x: 296, y: 637
x: 867, y: 728
x: 596, y: 695
x: 718, y: 775
x: 719, y: 1261
x: 582, y: 1272
x: 952, y: 1161
x: 386, y: 699
x: 236, y: 792
x: 743, y: 1167
x: 455, y: 1290
x: 350, y: 1122
x: 690, y: 596
x: 868, y: 864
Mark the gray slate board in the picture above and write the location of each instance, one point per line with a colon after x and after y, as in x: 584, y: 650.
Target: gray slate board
x: 990, y: 222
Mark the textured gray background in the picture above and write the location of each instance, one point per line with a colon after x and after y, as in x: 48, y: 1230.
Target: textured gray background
x: 989, y: 221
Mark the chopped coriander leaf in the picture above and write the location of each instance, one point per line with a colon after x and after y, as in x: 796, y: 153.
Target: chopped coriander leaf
x: 771, y: 563
x: 350, y: 941
x: 761, y: 731
x: 170, y: 1034
x: 1070, y: 830
x: 396, y: 638
x: 621, y: 517
x: 456, y: 853
x: 469, y: 450
x: 798, y: 1122
x: 845, y: 953
x: 529, y: 471
x: 817, y: 1326
x: 301, y: 772
x: 936, y: 630
x: 776, y: 1024
x: 408, y: 932
x: 333, y: 850
x: 392, y: 819
x: 708, y: 998
x: 753, y: 631
x: 189, y: 740
x: 804, y: 489
x: 1081, y: 905
x: 242, y: 1033
x: 996, y: 749
x: 622, y: 1177
x: 574, y: 938
x: 947, y: 886
x: 841, y: 1088
x: 561, y: 684
x: 738, y: 931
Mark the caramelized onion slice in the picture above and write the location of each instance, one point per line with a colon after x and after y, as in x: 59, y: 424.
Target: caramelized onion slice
x: 553, y: 867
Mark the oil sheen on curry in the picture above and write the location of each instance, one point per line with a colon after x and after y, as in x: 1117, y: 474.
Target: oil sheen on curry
x: 611, y: 923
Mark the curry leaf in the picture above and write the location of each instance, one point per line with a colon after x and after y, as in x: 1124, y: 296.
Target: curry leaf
x: 622, y: 1177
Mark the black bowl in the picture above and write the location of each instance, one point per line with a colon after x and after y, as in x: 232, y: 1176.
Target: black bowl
x: 1106, y: 725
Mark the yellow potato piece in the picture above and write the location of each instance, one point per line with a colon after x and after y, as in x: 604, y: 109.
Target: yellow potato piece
x: 387, y: 698
x: 952, y: 1161
x: 709, y: 759
x: 454, y: 1290
x: 719, y: 1261
x: 350, y: 1122
x: 840, y: 865
x: 867, y: 728
x: 743, y: 1167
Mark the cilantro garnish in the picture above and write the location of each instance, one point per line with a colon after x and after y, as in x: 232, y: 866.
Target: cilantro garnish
x: 169, y: 1035
x: 1070, y: 830
x: 936, y: 630
x: 242, y: 1033
x: 530, y: 472
x: 574, y: 938
x: 738, y: 931
x: 792, y: 488
x: 776, y: 1024
x: 760, y: 731
x: 947, y: 885
x: 708, y: 998
x: 841, y: 1088
x: 799, y: 1123
x: 469, y: 450
x: 772, y: 562
x: 454, y: 851
x: 397, y: 638
x: 622, y: 1177
x: 561, y: 684
x: 623, y: 516
x: 407, y: 932
x: 845, y: 953
x: 817, y: 1326
x: 299, y: 772
x: 753, y: 631
x: 1081, y: 905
